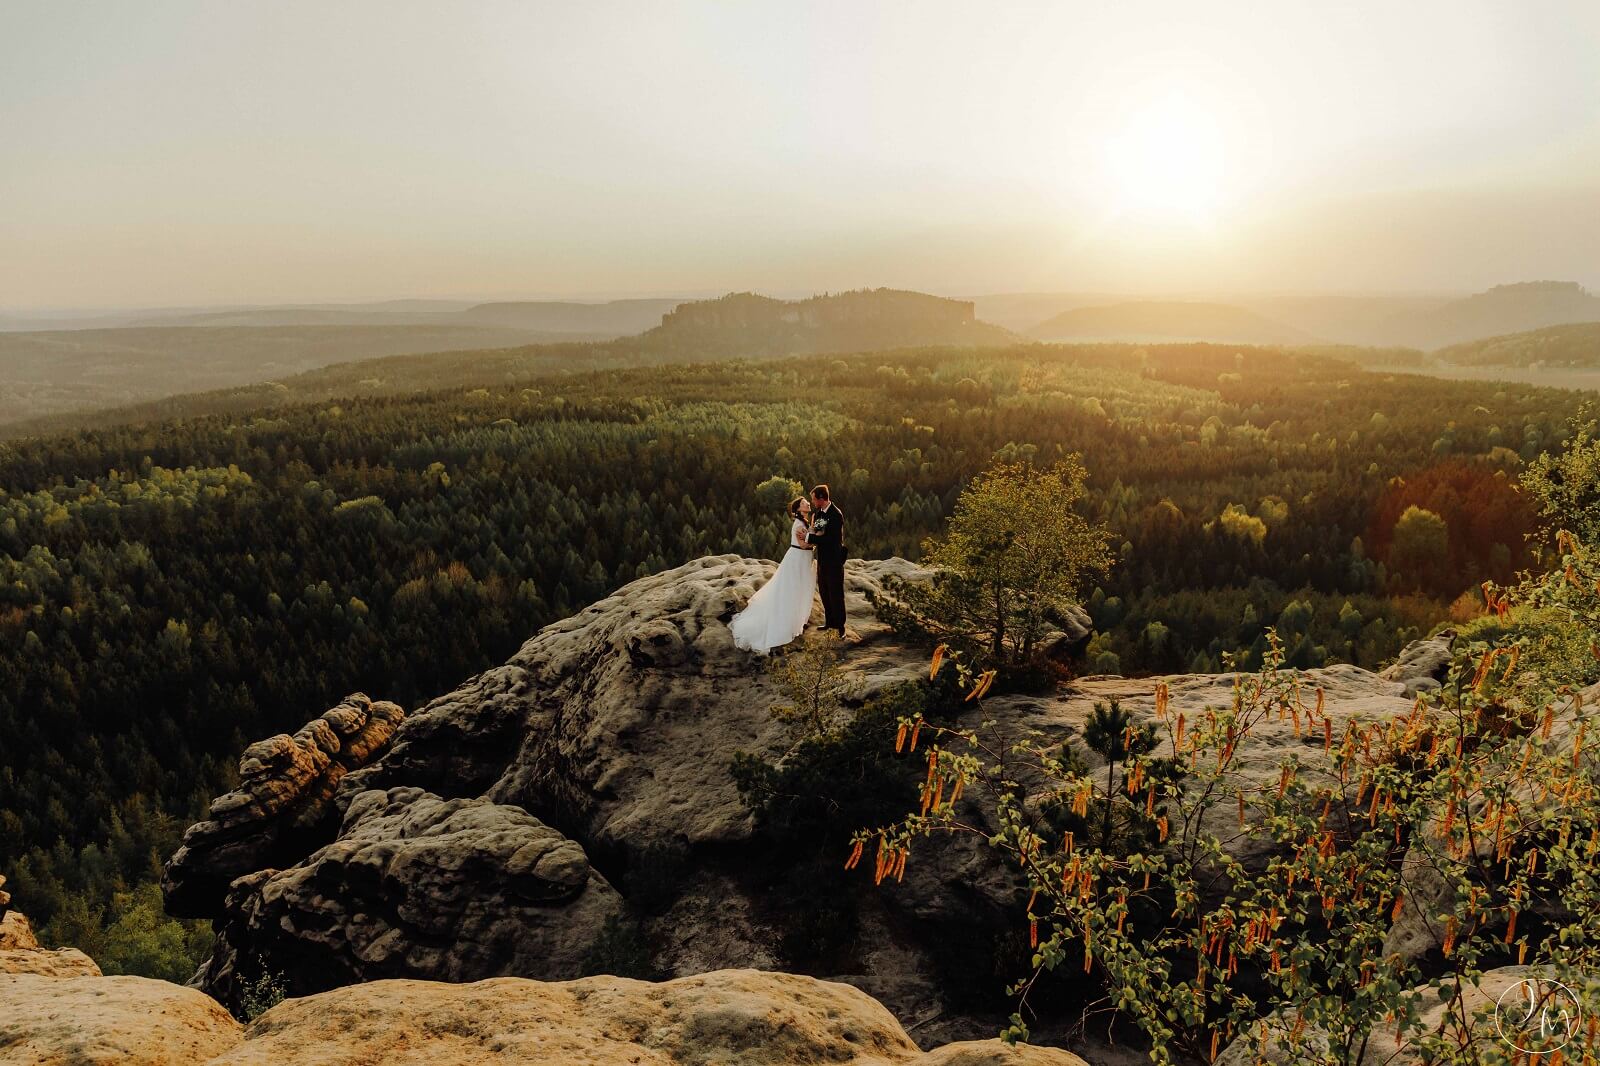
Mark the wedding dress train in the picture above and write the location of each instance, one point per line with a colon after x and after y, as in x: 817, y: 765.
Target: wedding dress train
x: 780, y: 609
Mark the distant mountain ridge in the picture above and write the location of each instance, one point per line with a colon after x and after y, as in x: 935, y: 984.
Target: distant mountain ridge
x: 1168, y: 320
x: 1502, y: 310
x: 571, y: 320
x: 748, y: 324
x: 615, y: 318
x: 1572, y: 345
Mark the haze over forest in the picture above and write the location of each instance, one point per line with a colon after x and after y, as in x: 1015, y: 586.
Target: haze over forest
x: 159, y: 155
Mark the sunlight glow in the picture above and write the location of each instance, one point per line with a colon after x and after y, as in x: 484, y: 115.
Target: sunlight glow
x: 1167, y: 164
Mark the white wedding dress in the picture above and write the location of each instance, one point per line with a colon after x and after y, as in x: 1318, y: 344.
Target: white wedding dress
x: 779, y: 610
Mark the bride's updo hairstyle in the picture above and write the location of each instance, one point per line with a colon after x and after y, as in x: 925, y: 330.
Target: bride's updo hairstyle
x: 794, y: 506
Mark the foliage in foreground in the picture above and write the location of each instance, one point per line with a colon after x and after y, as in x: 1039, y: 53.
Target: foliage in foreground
x: 1476, y: 810
x: 1013, y: 558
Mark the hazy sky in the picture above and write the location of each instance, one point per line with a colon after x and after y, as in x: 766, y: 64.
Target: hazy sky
x: 167, y: 153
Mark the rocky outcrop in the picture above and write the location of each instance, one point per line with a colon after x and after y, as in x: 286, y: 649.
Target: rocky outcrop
x: 16, y: 934
x: 109, y: 1021
x: 731, y: 1018
x: 603, y: 722
x: 57, y: 1010
x: 419, y: 886
x: 612, y: 732
x: 42, y: 962
x: 20, y: 953
x: 865, y: 320
x: 283, y: 806
x: 1422, y: 665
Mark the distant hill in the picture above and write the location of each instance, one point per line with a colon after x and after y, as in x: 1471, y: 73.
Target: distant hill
x: 745, y: 324
x: 1575, y: 345
x: 51, y: 382
x: 1021, y: 311
x: 1168, y: 320
x: 1341, y: 318
x: 1502, y: 310
x: 567, y: 320
x: 47, y: 373
x: 617, y: 318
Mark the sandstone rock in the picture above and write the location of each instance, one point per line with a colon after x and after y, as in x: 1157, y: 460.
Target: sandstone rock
x: 20, y: 953
x: 730, y: 1018
x: 601, y: 723
x: 63, y: 962
x: 736, y: 1018
x: 282, y: 808
x: 1349, y: 693
x: 5, y: 898
x: 998, y: 1053
x: 114, y: 1021
x: 416, y: 885
x: 616, y: 727
x: 16, y: 934
x: 1422, y: 664
x: 727, y: 1018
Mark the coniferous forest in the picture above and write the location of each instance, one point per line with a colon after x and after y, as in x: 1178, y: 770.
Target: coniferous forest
x: 171, y: 591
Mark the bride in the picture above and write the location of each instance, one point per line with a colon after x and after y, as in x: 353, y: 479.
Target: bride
x: 780, y: 609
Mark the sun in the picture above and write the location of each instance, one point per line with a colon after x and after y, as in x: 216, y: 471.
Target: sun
x: 1166, y: 164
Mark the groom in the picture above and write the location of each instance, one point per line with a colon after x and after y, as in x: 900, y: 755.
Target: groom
x: 827, y: 537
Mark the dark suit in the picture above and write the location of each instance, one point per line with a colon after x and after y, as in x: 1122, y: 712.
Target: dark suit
x: 827, y: 537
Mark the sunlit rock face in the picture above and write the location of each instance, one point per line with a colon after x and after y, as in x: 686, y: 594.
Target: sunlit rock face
x: 419, y: 886
x: 283, y: 806
x: 503, y: 824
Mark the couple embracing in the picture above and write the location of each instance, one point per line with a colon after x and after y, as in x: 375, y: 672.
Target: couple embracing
x: 814, y: 563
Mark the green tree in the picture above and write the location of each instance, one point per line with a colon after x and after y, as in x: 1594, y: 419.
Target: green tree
x: 1567, y: 483
x: 144, y: 941
x: 1015, y: 554
x: 776, y: 493
x: 1420, y: 548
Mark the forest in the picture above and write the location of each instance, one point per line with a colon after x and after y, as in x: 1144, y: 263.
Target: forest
x: 171, y: 590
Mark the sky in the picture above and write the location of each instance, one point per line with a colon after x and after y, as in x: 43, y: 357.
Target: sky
x: 170, y: 153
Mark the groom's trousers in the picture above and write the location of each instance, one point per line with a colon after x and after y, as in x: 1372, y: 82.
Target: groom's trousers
x: 830, y: 587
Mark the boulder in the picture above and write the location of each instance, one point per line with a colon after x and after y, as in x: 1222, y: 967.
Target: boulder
x: 20, y: 953
x: 998, y: 1053
x: 40, y: 962
x: 16, y: 934
x: 1422, y: 664
x: 731, y: 1018
x: 109, y: 1021
x: 283, y: 807
x: 419, y: 886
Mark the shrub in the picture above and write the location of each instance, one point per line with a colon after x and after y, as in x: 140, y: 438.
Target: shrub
x: 1488, y: 790
x: 620, y: 950
x: 1014, y: 555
